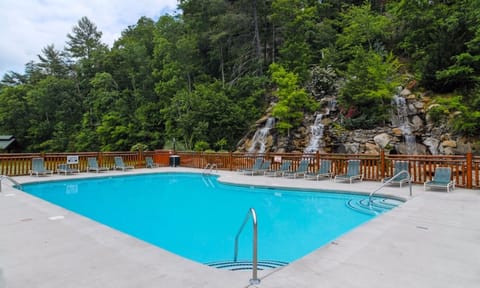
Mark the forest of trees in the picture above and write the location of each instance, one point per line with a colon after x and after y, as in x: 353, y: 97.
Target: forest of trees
x: 204, y: 76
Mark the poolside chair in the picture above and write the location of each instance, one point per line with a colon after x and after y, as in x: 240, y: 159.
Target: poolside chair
x: 149, y: 162
x: 38, y: 167
x: 257, y: 165
x: 399, y: 166
x: 66, y: 169
x: 324, y: 171
x: 285, y: 167
x: 93, y: 165
x: 301, y: 170
x: 441, y: 179
x: 260, y: 171
x: 353, y: 172
x: 119, y: 165
x: 265, y: 166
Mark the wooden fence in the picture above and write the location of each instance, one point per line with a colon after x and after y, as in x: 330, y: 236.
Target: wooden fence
x: 465, y: 168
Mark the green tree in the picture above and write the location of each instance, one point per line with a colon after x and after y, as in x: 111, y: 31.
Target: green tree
x: 55, y: 114
x: 293, y: 100
x: 53, y: 62
x: 370, y: 83
x: 15, y: 107
x: 85, y: 39
x: 433, y: 34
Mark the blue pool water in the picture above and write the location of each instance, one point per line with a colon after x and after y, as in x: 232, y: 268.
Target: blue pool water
x: 198, y: 218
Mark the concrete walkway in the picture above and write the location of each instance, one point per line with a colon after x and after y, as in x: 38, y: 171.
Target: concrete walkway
x: 432, y: 240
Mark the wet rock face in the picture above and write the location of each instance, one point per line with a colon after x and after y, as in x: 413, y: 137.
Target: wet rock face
x: 410, y: 132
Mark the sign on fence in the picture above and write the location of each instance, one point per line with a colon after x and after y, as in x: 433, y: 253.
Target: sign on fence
x: 72, y: 159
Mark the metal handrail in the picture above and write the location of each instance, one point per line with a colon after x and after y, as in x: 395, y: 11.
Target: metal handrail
x: 11, y: 180
x: 251, y: 213
x: 208, y: 169
x: 391, y: 180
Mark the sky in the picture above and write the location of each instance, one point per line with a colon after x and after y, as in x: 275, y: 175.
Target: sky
x: 28, y: 26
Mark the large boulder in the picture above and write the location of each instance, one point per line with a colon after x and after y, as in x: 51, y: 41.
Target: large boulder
x: 432, y: 144
x: 382, y: 140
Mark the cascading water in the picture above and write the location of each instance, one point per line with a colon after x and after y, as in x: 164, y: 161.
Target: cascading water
x: 400, y: 119
x: 259, y: 139
x: 317, y: 135
x: 317, y: 129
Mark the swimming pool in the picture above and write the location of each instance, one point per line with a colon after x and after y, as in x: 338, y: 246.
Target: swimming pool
x: 196, y: 217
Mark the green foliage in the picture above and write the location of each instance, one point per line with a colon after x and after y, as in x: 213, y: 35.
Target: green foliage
x: 441, y: 38
x: 201, y: 146
x: 199, y: 76
x: 362, y: 27
x: 453, y: 111
x: 371, y: 81
x: 293, y: 100
x: 139, y: 147
x: 221, y: 143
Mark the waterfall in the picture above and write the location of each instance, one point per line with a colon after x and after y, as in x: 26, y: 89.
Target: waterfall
x: 259, y: 139
x: 317, y: 134
x: 400, y: 119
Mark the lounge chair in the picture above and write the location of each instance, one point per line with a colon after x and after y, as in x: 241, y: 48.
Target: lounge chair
x: 66, y: 169
x: 93, y: 165
x: 399, y: 166
x: 324, y: 171
x: 149, y: 162
x: 301, y: 170
x: 257, y: 165
x: 353, y: 172
x: 38, y: 167
x: 285, y: 167
x: 119, y: 165
x: 441, y: 179
x: 260, y: 171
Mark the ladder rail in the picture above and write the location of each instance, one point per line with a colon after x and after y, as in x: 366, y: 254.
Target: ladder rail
x: 253, y: 215
x: 208, y: 169
x: 390, y: 181
x: 10, y: 179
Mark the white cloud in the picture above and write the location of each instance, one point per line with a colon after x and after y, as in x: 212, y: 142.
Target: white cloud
x: 27, y: 26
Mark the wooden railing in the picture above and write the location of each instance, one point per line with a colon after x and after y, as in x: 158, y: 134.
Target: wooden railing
x: 465, y: 168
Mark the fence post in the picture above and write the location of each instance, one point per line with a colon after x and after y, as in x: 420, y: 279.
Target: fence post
x: 100, y: 159
x: 231, y: 160
x: 382, y: 164
x: 469, y: 170
x: 140, y: 157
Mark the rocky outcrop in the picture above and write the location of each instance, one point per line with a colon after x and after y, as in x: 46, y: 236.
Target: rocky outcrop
x: 411, y: 131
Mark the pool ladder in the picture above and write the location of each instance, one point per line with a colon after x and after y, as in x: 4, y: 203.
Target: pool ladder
x: 389, y: 181
x: 208, y: 169
x: 251, y: 214
x: 10, y: 179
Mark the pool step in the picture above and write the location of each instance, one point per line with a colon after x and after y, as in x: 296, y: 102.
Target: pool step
x: 246, y: 265
x: 375, y: 207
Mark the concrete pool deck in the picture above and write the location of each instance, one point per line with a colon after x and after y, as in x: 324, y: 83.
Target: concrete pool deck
x: 432, y: 240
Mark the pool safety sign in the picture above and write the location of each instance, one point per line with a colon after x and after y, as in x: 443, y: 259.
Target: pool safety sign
x: 72, y: 159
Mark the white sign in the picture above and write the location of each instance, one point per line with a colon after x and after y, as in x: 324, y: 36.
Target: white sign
x: 72, y: 159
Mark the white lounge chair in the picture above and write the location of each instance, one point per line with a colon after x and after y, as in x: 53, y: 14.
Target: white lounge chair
x: 66, y: 169
x: 399, y: 166
x: 149, y: 163
x: 93, y: 165
x: 441, y: 179
x: 353, y: 172
x: 284, y: 168
x: 301, y: 170
x: 120, y: 165
x: 323, y: 171
x: 38, y: 167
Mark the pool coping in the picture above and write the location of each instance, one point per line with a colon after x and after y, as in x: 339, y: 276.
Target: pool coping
x: 413, y: 245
